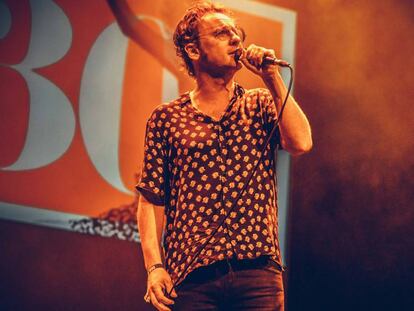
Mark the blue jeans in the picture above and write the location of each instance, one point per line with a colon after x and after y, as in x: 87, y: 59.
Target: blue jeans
x: 251, y: 284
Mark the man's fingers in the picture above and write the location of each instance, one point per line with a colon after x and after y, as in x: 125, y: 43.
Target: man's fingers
x: 169, y: 286
x: 157, y: 303
x: 249, y: 66
x: 254, y: 56
x: 174, y: 294
x: 258, y: 57
x: 161, y: 296
x: 154, y: 300
x: 249, y: 60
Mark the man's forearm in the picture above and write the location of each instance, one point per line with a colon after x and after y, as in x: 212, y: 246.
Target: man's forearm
x: 295, y: 131
x: 150, y: 219
x: 145, y: 36
x: 123, y: 14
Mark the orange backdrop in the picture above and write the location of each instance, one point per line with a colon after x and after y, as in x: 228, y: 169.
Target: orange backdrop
x: 71, y: 183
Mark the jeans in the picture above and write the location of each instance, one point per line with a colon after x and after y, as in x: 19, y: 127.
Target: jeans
x: 249, y: 284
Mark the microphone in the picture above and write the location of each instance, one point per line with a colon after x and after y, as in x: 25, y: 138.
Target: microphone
x: 268, y: 60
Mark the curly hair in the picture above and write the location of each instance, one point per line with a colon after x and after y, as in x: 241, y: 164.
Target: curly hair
x: 187, y: 29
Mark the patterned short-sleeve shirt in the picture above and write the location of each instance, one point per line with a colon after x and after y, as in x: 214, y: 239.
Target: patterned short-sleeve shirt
x: 196, y: 166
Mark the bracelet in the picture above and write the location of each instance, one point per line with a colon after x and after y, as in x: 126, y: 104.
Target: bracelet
x: 153, y: 267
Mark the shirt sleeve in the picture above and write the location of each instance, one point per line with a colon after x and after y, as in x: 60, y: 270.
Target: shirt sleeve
x: 154, y: 168
x: 270, y: 112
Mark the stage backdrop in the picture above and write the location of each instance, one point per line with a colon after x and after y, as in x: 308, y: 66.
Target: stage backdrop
x: 75, y: 96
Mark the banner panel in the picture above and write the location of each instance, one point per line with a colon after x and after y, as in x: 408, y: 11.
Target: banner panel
x: 76, y: 94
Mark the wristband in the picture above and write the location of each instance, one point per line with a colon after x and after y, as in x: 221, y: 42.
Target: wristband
x: 153, y: 267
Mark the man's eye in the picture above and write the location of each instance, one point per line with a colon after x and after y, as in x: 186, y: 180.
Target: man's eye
x: 222, y: 32
x: 226, y: 33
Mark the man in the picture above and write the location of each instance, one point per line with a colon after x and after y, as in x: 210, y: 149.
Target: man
x: 218, y: 254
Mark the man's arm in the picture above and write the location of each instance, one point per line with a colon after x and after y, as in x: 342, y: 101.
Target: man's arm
x: 150, y: 219
x: 295, y: 131
x: 151, y: 41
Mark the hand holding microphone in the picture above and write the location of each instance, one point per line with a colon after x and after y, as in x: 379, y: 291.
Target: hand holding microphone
x: 259, y: 60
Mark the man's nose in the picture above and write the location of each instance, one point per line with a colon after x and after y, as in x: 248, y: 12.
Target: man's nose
x: 235, y: 38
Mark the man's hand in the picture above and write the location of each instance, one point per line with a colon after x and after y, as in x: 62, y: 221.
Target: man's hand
x: 253, y: 57
x: 158, y: 286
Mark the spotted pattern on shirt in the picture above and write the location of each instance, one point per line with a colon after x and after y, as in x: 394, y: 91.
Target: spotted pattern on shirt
x: 195, y: 166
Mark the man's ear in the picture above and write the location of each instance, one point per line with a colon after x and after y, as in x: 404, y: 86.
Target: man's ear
x: 192, y: 51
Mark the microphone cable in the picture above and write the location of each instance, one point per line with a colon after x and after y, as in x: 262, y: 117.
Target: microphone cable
x: 253, y: 171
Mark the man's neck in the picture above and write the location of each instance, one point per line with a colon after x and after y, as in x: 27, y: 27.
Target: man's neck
x: 213, y: 89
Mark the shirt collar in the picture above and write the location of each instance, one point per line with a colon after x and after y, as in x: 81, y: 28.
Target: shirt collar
x: 237, y: 92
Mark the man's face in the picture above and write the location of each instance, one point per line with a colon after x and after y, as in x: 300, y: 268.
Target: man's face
x: 219, y: 39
